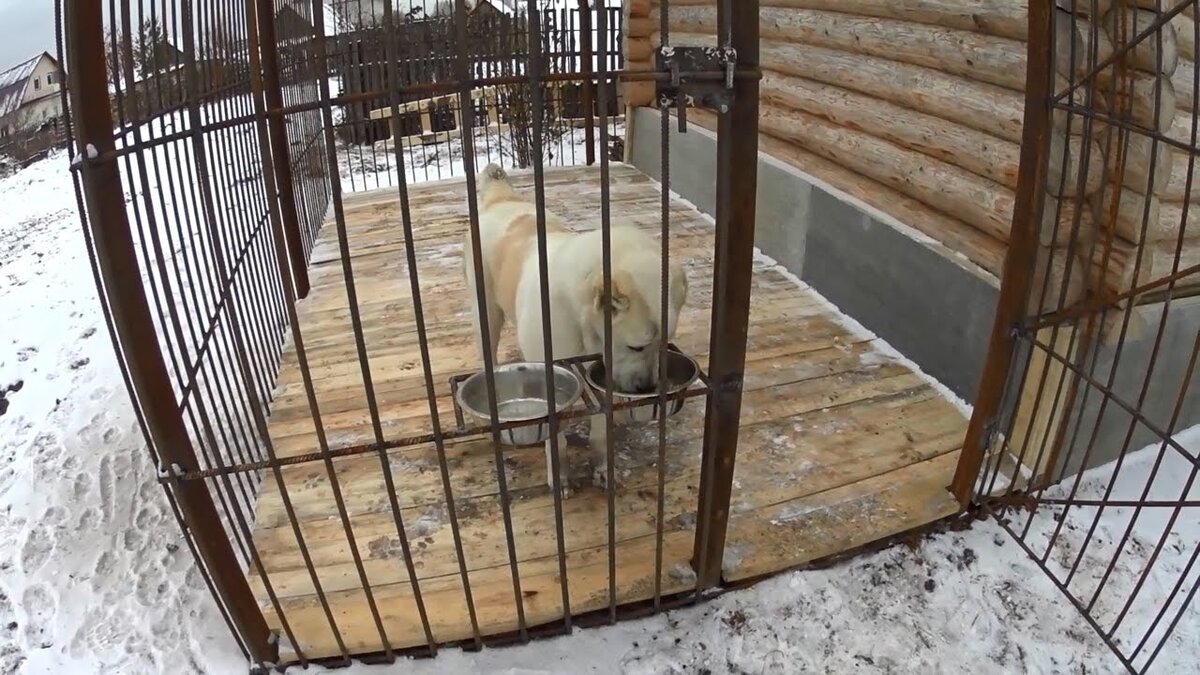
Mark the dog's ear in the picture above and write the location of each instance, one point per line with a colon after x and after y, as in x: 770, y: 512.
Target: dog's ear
x: 619, y: 297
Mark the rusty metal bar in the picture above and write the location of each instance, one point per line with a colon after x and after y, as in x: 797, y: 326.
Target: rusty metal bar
x: 587, y: 58
x: 281, y: 156
x: 463, y: 87
x: 438, y: 440
x: 1018, y: 262
x: 664, y: 149
x: 737, y: 175
x: 537, y: 64
x: 115, y: 255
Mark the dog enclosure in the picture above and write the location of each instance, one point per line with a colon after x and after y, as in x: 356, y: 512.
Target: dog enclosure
x: 276, y: 193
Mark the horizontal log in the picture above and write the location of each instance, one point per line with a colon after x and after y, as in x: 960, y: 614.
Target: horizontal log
x: 640, y: 66
x: 1158, y: 261
x: 1002, y: 18
x: 983, y: 107
x: 1185, y: 36
x: 1182, y: 185
x: 1184, y: 83
x: 638, y: 8
x: 1143, y: 99
x: 1064, y: 160
x: 979, y: 202
x: 641, y: 26
x: 1161, y: 220
x: 1065, y: 223
x: 1124, y: 24
x: 1070, y: 54
x: 1132, y: 167
x: 1124, y: 211
x: 984, y: 58
x: 1092, y: 34
x: 960, y: 238
x: 637, y: 94
x: 1086, y: 7
x: 975, y: 151
x: 1181, y: 129
x: 1091, y: 99
x: 638, y: 50
x: 1052, y: 294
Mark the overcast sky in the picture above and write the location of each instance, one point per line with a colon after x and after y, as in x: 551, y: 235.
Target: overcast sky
x: 26, y: 29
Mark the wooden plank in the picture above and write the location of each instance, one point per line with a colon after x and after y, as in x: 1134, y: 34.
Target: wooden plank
x: 825, y: 415
x: 792, y: 533
x: 843, y: 445
x: 1040, y: 409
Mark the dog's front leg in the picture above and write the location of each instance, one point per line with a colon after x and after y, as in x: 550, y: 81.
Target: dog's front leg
x: 563, y: 473
x: 598, y: 442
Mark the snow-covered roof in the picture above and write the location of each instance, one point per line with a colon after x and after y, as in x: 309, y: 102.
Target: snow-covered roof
x: 13, y: 81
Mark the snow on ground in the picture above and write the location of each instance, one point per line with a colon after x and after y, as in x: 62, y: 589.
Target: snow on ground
x: 95, y: 576
x: 366, y: 167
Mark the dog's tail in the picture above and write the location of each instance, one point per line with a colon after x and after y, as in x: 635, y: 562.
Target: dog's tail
x: 491, y: 175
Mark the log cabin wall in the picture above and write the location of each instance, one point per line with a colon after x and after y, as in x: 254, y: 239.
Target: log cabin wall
x: 912, y: 109
x: 915, y: 107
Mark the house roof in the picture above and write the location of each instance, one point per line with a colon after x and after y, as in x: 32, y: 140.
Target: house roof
x: 13, y: 83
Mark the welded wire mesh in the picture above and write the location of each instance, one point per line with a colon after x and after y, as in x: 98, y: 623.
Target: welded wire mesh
x: 235, y: 131
x: 1094, y: 316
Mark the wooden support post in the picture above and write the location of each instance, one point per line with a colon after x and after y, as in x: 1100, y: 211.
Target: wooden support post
x: 281, y: 156
x: 737, y: 181
x: 150, y: 382
x: 587, y: 59
x: 1021, y: 257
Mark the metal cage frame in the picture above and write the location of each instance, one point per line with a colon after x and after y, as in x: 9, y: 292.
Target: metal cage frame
x: 219, y: 354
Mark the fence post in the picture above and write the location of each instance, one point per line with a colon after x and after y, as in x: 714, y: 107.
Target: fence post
x: 1022, y: 248
x: 586, y: 58
x: 116, y: 259
x: 737, y: 180
x: 281, y: 155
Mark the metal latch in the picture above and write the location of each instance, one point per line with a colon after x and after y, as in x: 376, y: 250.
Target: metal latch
x: 684, y: 89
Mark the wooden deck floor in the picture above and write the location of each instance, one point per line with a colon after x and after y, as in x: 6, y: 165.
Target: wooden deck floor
x: 840, y: 445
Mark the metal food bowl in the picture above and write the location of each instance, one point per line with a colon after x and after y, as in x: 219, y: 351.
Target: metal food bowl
x: 682, y: 371
x: 521, y: 394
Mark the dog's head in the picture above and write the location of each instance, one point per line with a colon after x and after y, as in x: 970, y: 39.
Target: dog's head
x: 637, y: 329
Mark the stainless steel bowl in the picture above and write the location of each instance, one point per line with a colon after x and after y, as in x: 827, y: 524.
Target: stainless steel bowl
x: 521, y: 397
x: 682, y: 371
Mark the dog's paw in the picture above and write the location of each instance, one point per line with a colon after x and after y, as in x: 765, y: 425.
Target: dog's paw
x: 600, y: 477
x: 564, y: 490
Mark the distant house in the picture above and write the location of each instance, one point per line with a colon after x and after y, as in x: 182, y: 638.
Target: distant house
x: 366, y: 13
x: 30, y: 95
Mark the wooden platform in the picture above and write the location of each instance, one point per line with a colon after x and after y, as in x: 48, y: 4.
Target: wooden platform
x: 841, y: 446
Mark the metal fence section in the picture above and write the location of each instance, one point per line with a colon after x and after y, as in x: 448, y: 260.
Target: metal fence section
x: 214, y: 140
x: 1101, y: 256
x: 419, y: 45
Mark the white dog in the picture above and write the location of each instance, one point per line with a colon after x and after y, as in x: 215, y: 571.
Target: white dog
x: 512, y: 285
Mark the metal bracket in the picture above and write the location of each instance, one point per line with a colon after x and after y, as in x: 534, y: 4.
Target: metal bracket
x: 684, y: 89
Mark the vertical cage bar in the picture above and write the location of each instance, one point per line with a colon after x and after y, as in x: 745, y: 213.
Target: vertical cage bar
x: 737, y: 175
x: 1018, y: 262
x: 281, y: 156
x: 474, y: 244
x: 151, y: 385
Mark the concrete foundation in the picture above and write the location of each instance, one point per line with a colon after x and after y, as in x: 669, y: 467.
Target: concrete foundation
x: 922, y: 298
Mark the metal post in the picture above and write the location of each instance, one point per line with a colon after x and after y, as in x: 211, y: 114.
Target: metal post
x: 117, y: 261
x: 586, y: 59
x: 277, y: 131
x: 737, y: 176
x: 1022, y: 249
